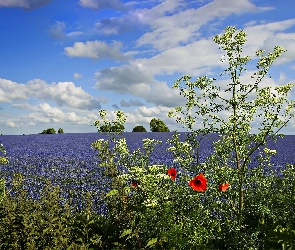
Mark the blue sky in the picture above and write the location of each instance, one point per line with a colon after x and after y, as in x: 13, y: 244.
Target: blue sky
x: 63, y: 60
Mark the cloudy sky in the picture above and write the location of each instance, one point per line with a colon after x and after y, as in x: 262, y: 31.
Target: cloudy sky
x: 63, y: 60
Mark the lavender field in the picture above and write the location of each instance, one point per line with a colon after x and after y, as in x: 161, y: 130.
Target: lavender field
x: 69, y: 161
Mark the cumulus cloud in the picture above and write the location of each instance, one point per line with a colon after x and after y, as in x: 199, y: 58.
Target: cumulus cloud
x: 184, y: 25
x: 58, y: 30
x: 77, y: 76
x: 10, y: 90
x: 23, y: 106
x: 195, y: 58
x: 103, y: 4
x: 119, y: 25
x: 62, y: 93
x: 44, y: 113
x: 96, y: 50
x: 270, y: 35
x: 138, y: 81
x: 130, y: 103
x: 115, y: 106
x: 26, y: 4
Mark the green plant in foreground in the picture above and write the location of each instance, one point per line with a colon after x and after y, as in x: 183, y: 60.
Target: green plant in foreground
x: 234, y: 199
x: 3, y: 161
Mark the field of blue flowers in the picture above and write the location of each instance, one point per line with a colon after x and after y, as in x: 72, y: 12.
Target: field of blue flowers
x: 69, y: 161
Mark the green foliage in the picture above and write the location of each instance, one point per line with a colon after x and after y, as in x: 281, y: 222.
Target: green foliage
x: 3, y: 161
x: 105, y: 126
x: 49, y: 131
x: 139, y: 129
x: 245, y: 202
x: 157, y: 125
x: 49, y: 222
x: 151, y: 210
x: 60, y: 131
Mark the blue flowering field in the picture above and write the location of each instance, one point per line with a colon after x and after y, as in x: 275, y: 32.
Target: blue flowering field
x: 69, y: 161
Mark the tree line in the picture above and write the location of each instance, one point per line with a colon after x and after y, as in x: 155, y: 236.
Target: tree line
x: 156, y: 125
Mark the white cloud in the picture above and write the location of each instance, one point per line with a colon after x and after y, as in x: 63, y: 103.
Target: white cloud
x: 130, y: 103
x: 77, y: 76
x: 138, y: 81
x: 195, y: 58
x: 10, y: 90
x: 62, y: 93
x: 182, y: 27
x: 103, y: 4
x: 96, y: 50
x: 58, y: 30
x: 26, y: 4
x: 23, y: 106
x: 44, y: 113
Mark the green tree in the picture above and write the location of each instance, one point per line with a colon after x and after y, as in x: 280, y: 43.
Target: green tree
x: 117, y: 128
x: 49, y: 131
x: 232, y: 199
x: 157, y: 125
x: 60, y: 131
x: 105, y: 126
x: 139, y: 129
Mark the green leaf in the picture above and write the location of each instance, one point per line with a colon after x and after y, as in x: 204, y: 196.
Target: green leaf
x: 152, y: 242
x: 112, y: 192
x: 126, y: 232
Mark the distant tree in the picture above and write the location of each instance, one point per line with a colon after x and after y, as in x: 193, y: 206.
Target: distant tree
x: 157, y: 125
x: 60, y: 131
x: 49, y: 131
x: 114, y: 128
x: 139, y: 129
x: 105, y: 128
x: 117, y: 128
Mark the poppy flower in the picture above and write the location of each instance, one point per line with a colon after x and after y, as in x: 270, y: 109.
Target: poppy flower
x: 172, y: 173
x: 199, y: 183
x: 223, y: 187
x: 134, y: 184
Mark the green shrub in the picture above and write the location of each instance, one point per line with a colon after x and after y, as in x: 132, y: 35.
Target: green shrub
x: 224, y: 202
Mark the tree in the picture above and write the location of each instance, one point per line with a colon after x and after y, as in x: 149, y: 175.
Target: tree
x: 49, y: 131
x: 139, y: 129
x: 60, y: 131
x: 117, y: 128
x: 105, y: 128
x: 157, y: 125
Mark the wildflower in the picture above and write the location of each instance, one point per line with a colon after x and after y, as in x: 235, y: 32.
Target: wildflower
x: 134, y: 184
x: 172, y: 173
x: 223, y: 187
x: 199, y: 183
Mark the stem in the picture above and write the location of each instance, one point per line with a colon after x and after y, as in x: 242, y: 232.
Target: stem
x: 241, y: 191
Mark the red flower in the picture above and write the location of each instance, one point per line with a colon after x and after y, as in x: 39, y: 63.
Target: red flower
x: 199, y: 183
x: 134, y: 184
x: 172, y: 173
x: 223, y: 187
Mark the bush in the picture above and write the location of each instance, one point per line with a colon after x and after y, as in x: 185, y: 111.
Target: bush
x: 49, y: 131
x: 139, y: 129
x: 234, y: 198
x: 60, y: 131
x: 157, y: 125
x: 47, y: 223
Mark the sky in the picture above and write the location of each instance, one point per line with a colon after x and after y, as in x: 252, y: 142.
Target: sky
x: 64, y: 60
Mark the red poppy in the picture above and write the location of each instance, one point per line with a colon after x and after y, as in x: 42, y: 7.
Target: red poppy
x: 172, y: 173
x: 223, y: 187
x: 199, y: 183
x: 134, y: 184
